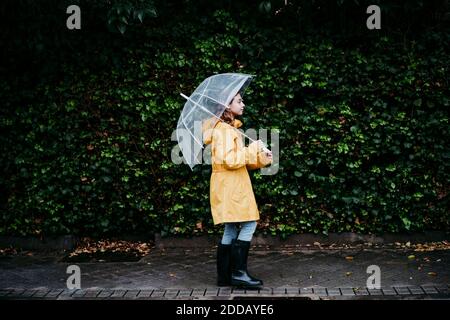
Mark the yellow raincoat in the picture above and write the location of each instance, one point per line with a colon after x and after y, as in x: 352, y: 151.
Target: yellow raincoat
x: 231, y: 193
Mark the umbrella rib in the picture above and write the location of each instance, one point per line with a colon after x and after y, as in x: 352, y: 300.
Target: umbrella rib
x: 178, y: 138
x: 201, y: 144
x: 190, y: 111
x: 210, y: 98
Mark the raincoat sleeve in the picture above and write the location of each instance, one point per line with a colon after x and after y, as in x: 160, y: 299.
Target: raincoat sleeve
x: 229, y: 154
x: 261, y: 161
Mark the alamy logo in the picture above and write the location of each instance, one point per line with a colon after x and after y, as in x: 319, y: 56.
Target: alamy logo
x: 374, y: 20
x: 74, y: 280
x: 374, y: 280
x: 74, y: 20
x: 194, y: 147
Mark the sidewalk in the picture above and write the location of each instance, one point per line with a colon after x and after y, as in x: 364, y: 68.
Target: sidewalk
x: 294, y: 272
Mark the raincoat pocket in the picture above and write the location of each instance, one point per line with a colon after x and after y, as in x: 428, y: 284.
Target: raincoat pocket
x: 238, y: 194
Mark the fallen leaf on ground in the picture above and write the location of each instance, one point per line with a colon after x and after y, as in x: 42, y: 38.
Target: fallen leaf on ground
x: 349, y: 258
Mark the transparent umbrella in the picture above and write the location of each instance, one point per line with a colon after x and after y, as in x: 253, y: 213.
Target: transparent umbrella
x: 203, y: 109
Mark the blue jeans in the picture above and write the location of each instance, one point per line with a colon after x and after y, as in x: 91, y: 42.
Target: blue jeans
x: 231, y: 231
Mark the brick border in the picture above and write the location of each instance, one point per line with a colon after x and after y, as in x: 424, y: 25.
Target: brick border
x: 220, y: 293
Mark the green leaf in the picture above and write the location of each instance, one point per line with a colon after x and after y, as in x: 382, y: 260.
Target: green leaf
x: 122, y: 28
x: 418, y: 102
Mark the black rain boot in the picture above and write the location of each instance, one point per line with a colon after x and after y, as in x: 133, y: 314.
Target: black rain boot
x: 239, y: 273
x: 223, y: 264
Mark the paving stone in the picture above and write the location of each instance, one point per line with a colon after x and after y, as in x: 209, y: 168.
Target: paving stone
x: 279, y: 291
x: 402, y: 290
x: 375, y: 292
x: 320, y: 291
x: 15, y: 293
x: 429, y: 290
x: 211, y: 292
x: 67, y: 293
x: 443, y: 289
x: 171, y: 293
x: 92, y: 293
x: 238, y: 291
x: 54, y: 293
x: 4, y: 292
x: 131, y: 294
x: 347, y: 291
x: 145, y: 293
x: 41, y: 293
x: 118, y: 294
x: 79, y: 293
x: 306, y: 290
x: 292, y: 290
x: 28, y: 293
x: 198, y: 292
x: 185, y: 293
x: 158, y: 293
x: 361, y: 292
x: 105, y: 293
x: 416, y: 290
x: 224, y: 291
x: 334, y: 292
x: 266, y: 291
x: 389, y: 292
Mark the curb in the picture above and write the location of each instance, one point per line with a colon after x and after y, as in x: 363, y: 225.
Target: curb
x: 70, y: 242
x: 229, y: 293
x: 303, y: 239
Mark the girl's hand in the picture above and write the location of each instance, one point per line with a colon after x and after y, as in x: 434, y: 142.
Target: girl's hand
x: 262, y: 148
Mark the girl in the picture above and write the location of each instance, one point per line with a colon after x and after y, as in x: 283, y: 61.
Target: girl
x: 231, y: 195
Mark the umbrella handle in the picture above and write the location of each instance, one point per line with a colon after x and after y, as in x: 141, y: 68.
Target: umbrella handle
x: 264, y: 148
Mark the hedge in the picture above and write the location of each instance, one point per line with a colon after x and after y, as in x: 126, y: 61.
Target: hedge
x: 363, y: 125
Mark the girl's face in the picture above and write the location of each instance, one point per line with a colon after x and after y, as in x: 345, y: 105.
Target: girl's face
x: 237, y: 105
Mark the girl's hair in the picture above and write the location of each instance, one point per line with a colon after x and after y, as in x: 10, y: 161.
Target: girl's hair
x: 227, y: 115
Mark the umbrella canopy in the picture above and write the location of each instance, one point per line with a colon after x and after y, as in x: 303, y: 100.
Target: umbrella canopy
x: 203, y: 109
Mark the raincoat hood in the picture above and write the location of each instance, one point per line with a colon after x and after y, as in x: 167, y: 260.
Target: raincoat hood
x: 209, y: 125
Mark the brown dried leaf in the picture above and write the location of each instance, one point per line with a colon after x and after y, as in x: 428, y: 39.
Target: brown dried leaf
x: 349, y: 258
